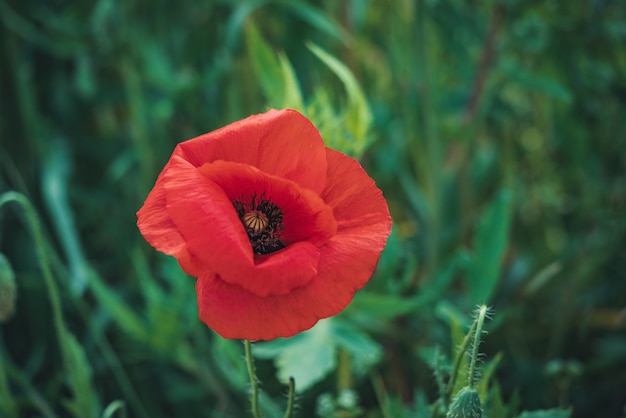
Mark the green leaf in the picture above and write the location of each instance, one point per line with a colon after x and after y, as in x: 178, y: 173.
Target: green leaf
x: 356, y: 118
x: 316, y: 18
x: 547, y: 413
x: 490, y: 243
x: 495, y: 404
x: 114, y: 407
x: 355, y: 342
x: 434, y: 289
x: 380, y: 306
x: 292, y: 96
x: 125, y: 317
x: 487, y: 372
x: 55, y: 177
x: 227, y: 355
x: 310, y: 356
x: 373, y: 311
x: 8, y: 406
x: 274, y: 72
x: 84, y: 402
x: 535, y: 81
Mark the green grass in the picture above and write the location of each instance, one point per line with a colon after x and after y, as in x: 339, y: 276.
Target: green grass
x: 495, y: 129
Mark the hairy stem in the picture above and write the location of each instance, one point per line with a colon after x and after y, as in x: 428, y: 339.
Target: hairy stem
x: 479, y: 329
x: 254, y: 383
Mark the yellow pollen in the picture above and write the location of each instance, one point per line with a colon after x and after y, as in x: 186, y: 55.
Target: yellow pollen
x: 255, y: 220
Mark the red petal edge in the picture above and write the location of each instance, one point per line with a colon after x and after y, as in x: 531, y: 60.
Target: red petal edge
x: 159, y: 230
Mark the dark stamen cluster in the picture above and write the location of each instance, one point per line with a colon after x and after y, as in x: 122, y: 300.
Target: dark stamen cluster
x: 263, y: 221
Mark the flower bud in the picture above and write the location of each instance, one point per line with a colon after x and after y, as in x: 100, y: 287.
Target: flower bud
x: 466, y: 404
x: 7, y: 289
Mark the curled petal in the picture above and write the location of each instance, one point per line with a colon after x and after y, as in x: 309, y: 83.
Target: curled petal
x: 283, y: 143
x: 235, y: 313
x: 159, y: 230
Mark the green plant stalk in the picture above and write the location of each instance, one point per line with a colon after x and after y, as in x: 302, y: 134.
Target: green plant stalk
x: 344, y: 373
x: 381, y: 394
x: 33, y: 224
x: 35, y: 229
x: 8, y: 405
x: 31, y: 393
x: 479, y: 329
x: 254, y: 382
x: 291, y: 397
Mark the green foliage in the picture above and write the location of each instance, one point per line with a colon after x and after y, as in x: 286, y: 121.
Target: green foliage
x: 346, y: 130
x: 490, y: 242
x: 552, y: 413
x: 494, y: 129
x: 113, y: 408
x: 8, y: 406
x: 84, y: 402
x: 310, y: 356
x: 274, y: 72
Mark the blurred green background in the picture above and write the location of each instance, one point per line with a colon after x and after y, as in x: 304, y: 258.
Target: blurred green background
x: 496, y: 130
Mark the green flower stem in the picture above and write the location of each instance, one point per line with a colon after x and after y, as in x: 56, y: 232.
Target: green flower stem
x: 479, y: 329
x: 344, y: 372
x: 55, y: 299
x: 291, y: 398
x: 254, y: 382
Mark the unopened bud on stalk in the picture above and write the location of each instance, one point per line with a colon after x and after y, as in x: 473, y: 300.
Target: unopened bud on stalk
x: 466, y: 404
x: 7, y: 289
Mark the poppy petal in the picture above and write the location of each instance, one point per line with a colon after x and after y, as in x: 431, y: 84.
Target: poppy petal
x: 279, y: 142
x: 353, y: 195
x: 363, y: 225
x: 234, y: 313
x: 158, y: 228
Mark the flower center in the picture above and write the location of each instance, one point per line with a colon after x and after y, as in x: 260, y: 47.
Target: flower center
x: 263, y: 221
x: 255, y: 220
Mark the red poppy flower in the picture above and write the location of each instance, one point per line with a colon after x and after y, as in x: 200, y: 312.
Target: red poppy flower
x: 279, y: 230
